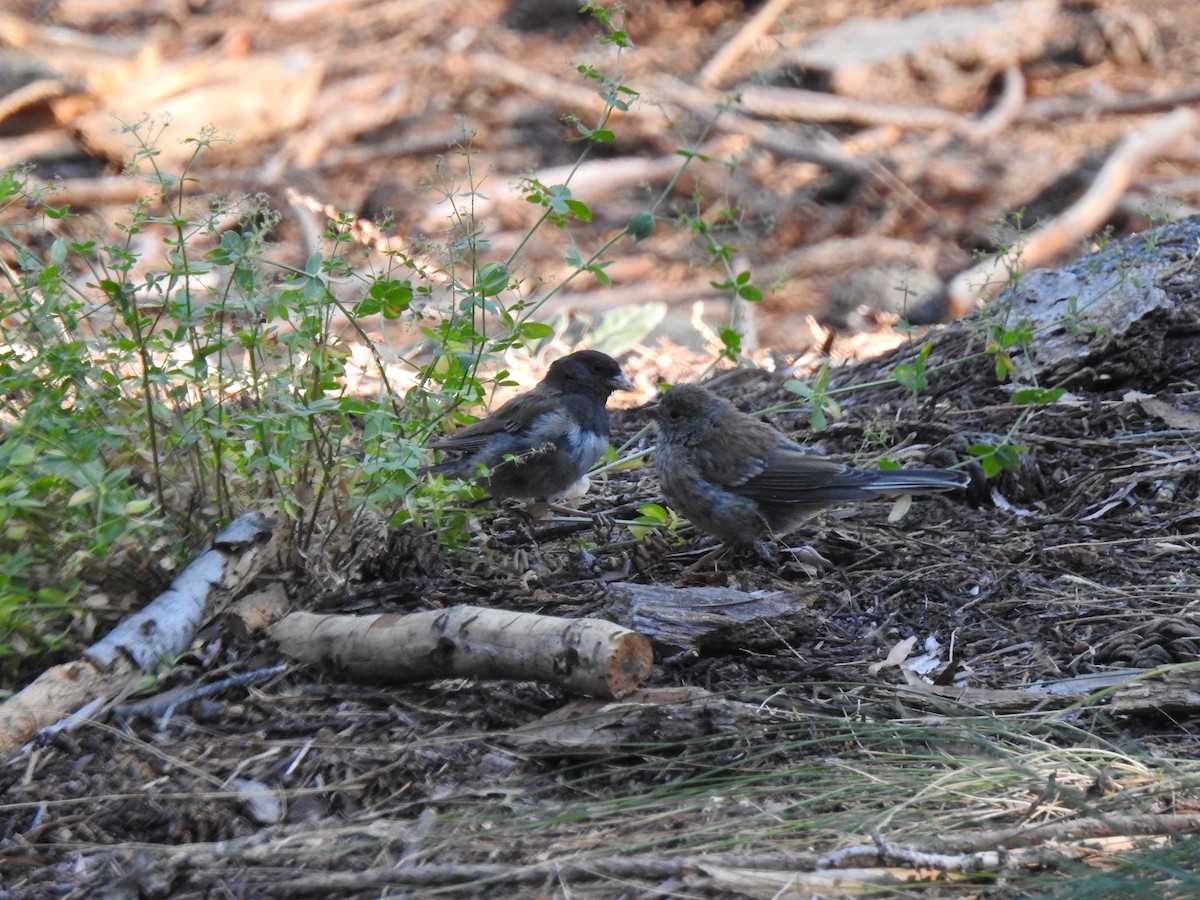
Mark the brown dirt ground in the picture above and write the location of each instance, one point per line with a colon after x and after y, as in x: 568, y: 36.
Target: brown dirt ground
x: 1079, y: 562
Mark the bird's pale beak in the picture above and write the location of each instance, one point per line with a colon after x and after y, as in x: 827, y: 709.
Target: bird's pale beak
x: 621, y: 383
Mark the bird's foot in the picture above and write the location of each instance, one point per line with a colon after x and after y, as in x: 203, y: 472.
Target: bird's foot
x: 522, y: 519
x: 602, y: 523
x: 807, y: 560
x: 766, y: 550
x: 712, y: 557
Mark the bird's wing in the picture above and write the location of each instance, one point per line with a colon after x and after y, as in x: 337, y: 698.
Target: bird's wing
x: 729, y: 457
x: 790, y: 474
x: 515, y: 417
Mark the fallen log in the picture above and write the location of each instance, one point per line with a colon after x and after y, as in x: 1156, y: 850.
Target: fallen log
x: 582, y: 656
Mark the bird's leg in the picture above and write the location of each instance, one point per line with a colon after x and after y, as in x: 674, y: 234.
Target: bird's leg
x: 714, y: 556
x: 560, y: 509
x: 766, y: 550
x: 602, y: 523
x: 804, y: 557
x: 522, y: 519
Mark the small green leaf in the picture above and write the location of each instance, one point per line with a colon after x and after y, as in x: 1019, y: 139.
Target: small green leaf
x: 493, y: 278
x: 1038, y: 395
x: 799, y: 388
x: 22, y: 455
x: 589, y: 72
x: 1021, y: 334
x: 652, y: 517
x: 653, y: 512
x: 1004, y: 366
x: 597, y: 271
x: 996, y: 459
x: 817, y: 419
x: 640, y: 226
x: 1009, y: 456
x: 911, y: 377
x: 618, y: 38
x: 535, y: 331
x: 579, y: 210
x: 391, y: 298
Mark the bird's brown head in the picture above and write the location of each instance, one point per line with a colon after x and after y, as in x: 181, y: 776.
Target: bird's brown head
x: 688, y: 412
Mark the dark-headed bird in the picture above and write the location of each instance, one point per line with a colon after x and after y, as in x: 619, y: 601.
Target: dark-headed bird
x: 541, y: 442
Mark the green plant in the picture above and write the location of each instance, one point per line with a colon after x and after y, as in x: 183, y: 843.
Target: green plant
x: 148, y: 401
x: 912, y: 375
x: 1003, y: 341
x: 653, y: 517
x: 709, y: 231
x: 822, y: 406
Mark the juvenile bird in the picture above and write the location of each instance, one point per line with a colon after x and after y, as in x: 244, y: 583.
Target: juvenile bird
x: 739, y: 479
x: 541, y: 442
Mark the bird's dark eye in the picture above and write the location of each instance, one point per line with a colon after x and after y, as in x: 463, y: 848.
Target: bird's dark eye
x: 676, y: 414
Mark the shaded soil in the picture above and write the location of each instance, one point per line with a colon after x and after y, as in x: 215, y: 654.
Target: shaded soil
x: 1083, y: 559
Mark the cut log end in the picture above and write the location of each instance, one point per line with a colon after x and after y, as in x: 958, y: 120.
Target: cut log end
x: 630, y: 663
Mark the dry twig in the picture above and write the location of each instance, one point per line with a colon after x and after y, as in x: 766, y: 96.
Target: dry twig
x: 1077, y: 222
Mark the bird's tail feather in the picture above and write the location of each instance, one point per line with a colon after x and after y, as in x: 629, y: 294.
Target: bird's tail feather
x: 453, y: 468
x: 916, y: 481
